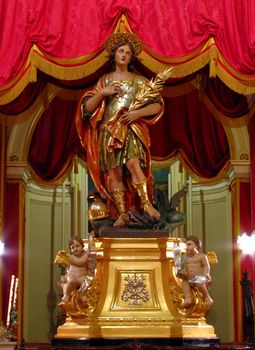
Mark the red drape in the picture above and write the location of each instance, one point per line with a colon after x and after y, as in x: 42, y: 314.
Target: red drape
x: 187, y: 127
x: 67, y: 30
x: 11, y: 241
x: 54, y: 141
x: 226, y: 100
x: 252, y: 148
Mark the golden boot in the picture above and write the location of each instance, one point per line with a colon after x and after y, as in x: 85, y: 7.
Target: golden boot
x: 119, y: 200
x: 141, y: 190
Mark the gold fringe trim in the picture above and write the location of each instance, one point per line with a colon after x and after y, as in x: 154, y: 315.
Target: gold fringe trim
x: 201, y: 180
x: 166, y: 163
x: 156, y: 163
x: 180, y: 60
x: 80, y: 67
x: 240, y: 83
x: 56, y: 182
x: 180, y: 70
x: 234, y: 84
x: 69, y: 73
x: 48, y: 93
x: 15, y: 90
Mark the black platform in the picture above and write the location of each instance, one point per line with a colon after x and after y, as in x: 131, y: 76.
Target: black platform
x: 136, y: 344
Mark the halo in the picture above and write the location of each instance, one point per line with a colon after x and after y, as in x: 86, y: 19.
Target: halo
x: 117, y: 39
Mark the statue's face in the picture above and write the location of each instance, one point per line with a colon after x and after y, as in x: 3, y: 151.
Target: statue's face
x: 76, y: 248
x: 190, y: 246
x: 123, y: 55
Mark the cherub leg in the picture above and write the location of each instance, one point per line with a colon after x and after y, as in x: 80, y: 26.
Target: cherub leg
x: 70, y: 285
x: 187, y: 293
x: 203, y: 289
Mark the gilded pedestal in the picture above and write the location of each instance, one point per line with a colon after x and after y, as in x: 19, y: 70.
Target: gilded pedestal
x: 135, y: 294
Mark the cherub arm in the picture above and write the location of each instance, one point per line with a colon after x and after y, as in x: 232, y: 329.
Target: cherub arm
x: 182, y: 273
x: 79, y: 261
x: 205, y: 267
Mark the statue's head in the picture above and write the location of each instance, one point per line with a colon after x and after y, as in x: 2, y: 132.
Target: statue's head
x: 195, y: 240
x: 75, y: 238
x: 117, y: 40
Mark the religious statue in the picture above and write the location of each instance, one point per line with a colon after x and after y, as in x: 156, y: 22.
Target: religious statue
x: 112, y: 122
x: 194, y: 270
x: 79, y: 273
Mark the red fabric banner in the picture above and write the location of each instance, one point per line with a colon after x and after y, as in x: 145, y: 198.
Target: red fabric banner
x: 71, y: 29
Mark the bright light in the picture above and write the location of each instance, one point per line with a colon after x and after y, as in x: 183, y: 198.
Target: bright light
x: 247, y: 243
x: 1, y: 248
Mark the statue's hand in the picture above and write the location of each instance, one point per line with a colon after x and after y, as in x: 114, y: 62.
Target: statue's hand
x: 129, y: 117
x: 112, y: 89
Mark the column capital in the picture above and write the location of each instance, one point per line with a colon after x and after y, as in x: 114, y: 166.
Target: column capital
x: 17, y: 171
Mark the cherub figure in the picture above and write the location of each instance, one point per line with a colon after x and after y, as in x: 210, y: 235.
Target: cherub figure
x: 77, y: 269
x: 195, y: 271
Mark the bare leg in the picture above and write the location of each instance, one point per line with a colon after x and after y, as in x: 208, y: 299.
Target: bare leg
x: 139, y: 182
x: 187, y: 293
x: 116, y: 182
x: 137, y: 174
x: 203, y: 289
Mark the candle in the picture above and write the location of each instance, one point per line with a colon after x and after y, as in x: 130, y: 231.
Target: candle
x: 190, y: 207
x: 15, y: 293
x: 10, y: 301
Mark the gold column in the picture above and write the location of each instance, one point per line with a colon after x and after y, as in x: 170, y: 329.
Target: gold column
x: 135, y: 293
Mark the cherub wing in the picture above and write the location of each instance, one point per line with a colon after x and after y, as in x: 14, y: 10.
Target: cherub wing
x: 212, y: 258
x: 62, y: 258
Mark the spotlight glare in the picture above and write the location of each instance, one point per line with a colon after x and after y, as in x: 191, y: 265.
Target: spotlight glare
x: 1, y: 248
x: 246, y: 243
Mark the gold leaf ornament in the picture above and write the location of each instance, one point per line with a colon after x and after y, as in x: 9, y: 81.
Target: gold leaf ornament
x: 149, y: 90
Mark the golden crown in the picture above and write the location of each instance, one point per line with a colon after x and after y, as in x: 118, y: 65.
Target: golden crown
x: 115, y: 40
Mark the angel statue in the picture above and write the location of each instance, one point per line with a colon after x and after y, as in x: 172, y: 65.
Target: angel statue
x: 79, y: 273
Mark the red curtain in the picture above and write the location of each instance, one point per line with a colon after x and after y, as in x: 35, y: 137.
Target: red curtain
x: 59, y: 35
x: 55, y: 141
x: 187, y: 128
x: 252, y: 143
x: 66, y: 28
x: 11, y: 241
x: 190, y: 129
x: 225, y: 100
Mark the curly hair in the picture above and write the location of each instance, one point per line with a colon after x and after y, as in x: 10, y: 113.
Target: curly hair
x: 195, y: 240
x: 75, y: 238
